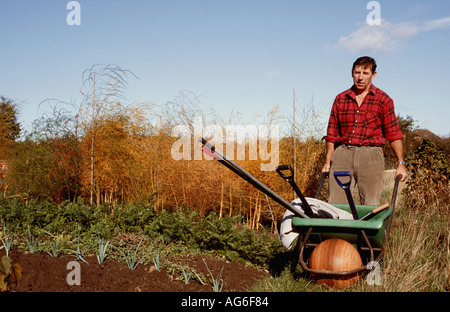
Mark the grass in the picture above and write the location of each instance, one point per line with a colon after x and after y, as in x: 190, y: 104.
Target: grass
x: 417, y: 258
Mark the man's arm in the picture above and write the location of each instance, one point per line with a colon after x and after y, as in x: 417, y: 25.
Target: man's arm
x: 329, y: 153
x: 397, y: 147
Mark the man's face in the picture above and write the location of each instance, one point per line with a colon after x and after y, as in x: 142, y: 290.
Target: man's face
x: 362, y: 77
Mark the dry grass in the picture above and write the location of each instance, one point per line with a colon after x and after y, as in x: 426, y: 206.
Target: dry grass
x: 419, y: 255
x: 417, y: 258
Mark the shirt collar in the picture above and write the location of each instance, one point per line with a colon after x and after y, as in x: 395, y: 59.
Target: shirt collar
x: 372, y: 90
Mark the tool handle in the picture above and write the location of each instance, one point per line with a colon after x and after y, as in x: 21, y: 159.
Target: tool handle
x: 375, y: 211
x: 338, y: 174
x: 346, y: 187
x: 251, y: 179
x: 380, y: 208
x: 282, y: 168
x: 394, y: 193
x: 322, y: 178
x: 290, y: 180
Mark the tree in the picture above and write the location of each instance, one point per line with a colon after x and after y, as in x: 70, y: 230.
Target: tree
x: 9, y: 126
x: 117, y: 158
x: 407, y: 127
x: 47, y: 161
x: 102, y: 98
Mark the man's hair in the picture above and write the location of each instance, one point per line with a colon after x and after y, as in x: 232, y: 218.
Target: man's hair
x: 365, y: 61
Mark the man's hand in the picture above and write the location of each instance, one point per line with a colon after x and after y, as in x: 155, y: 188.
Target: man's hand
x: 329, y: 147
x: 326, y: 168
x: 397, y: 147
x: 401, y: 169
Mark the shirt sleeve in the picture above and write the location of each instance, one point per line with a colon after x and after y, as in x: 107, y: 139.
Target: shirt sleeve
x: 333, y: 134
x: 391, y: 128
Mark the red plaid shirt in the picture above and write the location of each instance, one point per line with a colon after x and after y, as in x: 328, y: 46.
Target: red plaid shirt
x: 372, y: 123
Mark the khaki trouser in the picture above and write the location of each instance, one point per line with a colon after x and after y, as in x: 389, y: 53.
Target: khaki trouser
x: 366, y: 163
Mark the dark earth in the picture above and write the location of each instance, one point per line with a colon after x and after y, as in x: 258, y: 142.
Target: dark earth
x: 44, y: 273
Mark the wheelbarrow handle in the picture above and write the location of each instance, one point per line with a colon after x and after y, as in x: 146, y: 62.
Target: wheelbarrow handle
x: 338, y: 174
x: 394, y: 193
x: 322, y: 178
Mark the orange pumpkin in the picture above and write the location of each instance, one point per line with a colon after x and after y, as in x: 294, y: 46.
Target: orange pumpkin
x: 335, y: 255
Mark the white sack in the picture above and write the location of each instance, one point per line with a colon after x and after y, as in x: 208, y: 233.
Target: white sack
x: 320, y: 209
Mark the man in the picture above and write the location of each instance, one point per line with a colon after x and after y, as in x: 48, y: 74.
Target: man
x: 362, y: 119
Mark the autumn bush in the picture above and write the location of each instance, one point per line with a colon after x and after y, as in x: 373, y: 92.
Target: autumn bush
x: 105, y: 169
x: 110, y: 153
x: 119, y: 156
x: 428, y: 186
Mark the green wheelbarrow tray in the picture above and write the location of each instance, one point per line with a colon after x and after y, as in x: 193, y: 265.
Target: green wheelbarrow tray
x: 368, y: 236
x: 350, y: 230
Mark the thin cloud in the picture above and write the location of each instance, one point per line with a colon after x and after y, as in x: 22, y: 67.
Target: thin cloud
x: 436, y: 24
x: 272, y: 74
x: 387, y: 36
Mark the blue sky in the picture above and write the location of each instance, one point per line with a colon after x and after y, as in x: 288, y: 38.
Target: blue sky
x: 244, y: 55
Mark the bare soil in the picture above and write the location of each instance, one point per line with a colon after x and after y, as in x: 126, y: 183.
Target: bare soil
x: 44, y: 273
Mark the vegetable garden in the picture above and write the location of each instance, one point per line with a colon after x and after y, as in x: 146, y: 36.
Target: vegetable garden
x: 100, y: 187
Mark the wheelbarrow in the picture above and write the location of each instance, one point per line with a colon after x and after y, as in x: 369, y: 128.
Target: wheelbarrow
x: 366, y: 234
x: 369, y: 234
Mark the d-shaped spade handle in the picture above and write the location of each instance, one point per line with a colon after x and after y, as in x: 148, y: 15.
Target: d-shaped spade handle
x: 291, y: 181
x: 339, y: 174
x: 282, y: 168
x: 346, y: 187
